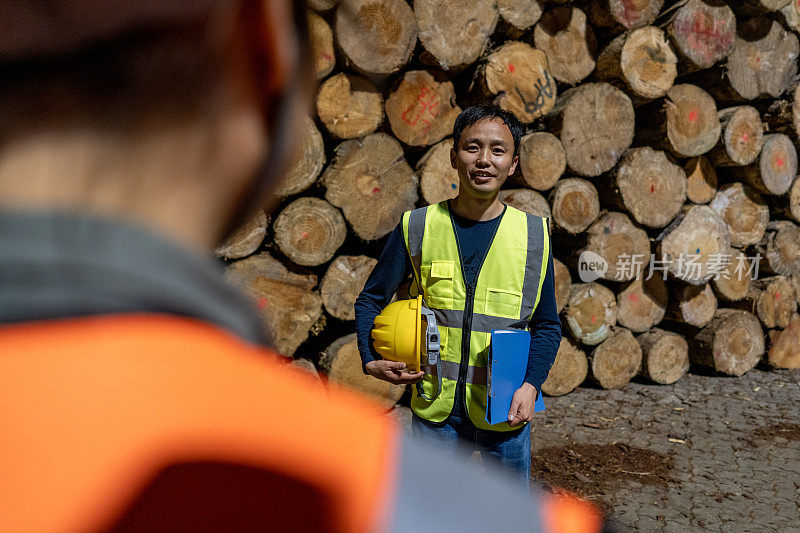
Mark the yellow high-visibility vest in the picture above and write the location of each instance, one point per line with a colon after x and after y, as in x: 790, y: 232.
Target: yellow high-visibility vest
x: 505, y: 296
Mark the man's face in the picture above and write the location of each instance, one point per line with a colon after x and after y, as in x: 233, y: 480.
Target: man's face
x: 484, y: 157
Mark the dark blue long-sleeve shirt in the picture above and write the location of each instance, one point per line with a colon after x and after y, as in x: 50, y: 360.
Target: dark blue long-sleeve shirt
x: 474, y: 238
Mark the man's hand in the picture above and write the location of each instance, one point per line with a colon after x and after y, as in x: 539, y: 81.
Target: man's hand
x: 522, y: 405
x: 393, y: 372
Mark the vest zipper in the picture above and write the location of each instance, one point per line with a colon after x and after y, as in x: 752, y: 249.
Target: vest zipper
x: 469, y: 304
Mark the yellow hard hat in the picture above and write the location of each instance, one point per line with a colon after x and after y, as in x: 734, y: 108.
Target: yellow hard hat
x: 397, y: 332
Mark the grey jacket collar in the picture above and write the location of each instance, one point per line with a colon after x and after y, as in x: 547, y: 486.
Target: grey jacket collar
x: 57, y: 266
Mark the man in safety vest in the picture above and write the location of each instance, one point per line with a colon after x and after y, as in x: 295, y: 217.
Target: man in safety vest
x: 136, y: 390
x: 481, y: 265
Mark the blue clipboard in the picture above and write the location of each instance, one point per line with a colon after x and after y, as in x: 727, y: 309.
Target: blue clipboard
x: 508, y: 363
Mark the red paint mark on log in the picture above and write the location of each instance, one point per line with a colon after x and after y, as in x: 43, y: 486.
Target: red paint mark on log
x: 510, y: 67
x: 692, y: 116
x: 652, y: 188
x: 304, y: 235
x: 376, y: 190
x: 777, y: 295
x: 633, y: 297
x: 745, y: 137
x: 262, y: 303
x: 780, y: 162
x: 594, y: 319
x: 327, y: 56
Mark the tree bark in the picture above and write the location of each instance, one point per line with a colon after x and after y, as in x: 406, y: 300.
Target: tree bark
x: 287, y: 302
x: 422, y: 109
x: 343, y: 366
x: 597, y: 126
x: 542, y: 160
x: 371, y: 182
x: 246, y: 240
x: 642, y: 60
x: 665, y: 356
x: 569, y: 370
x: 689, y: 245
x: 453, y: 36
x: 376, y: 36
x: 701, y: 180
x: 343, y: 282
x: 616, y: 360
x: 307, y: 164
x: 642, y: 303
x: 309, y: 231
x: 564, y: 34
x: 732, y: 343
x: 349, y: 106
x: 575, y: 204
x: 517, y: 78
x: 744, y: 212
x: 438, y: 180
x: 591, y: 312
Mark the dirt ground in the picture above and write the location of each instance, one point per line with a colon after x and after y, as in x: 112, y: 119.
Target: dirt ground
x: 708, y: 453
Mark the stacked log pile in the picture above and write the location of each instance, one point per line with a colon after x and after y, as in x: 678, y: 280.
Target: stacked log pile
x: 661, y: 137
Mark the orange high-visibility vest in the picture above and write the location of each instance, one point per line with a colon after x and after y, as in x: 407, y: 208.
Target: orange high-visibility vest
x: 95, y: 411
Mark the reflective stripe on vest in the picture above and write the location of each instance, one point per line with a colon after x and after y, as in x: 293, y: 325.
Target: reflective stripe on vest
x: 505, y: 296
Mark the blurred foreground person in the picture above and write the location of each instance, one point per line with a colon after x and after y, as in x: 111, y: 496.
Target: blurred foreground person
x: 136, y: 392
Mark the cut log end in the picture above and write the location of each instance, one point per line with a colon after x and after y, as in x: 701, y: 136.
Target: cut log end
x: 349, y: 106
x: 742, y: 138
x: 342, y: 284
x: 776, y: 304
x: 648, y: 63
x: 744, y: 212
x: 732, y: 343
x: 527, y: 201
x: 597, y: 126
x: 653, y: 188
x: 245, y: 240
x: 591, y: 312
x: 452, y: 35
x: 623, y: 246
x: 320, y: 38
x: 575, y: 204
x: 309, y: 231
x: 665, y: 356
x: 635, y: 14
x: 376, y: 36
x: 616, y: 360
x: 371, y: 182
x: 642, y: 304
x: 542, y: 160
x: 422, y: 110
x: 701, y: 180
x: 343, y: 365
x: 691, y: 245
x: 307, y: 164
x: 693, y: 126
x: 563, y: 282
x: 438, y: 180
x: 704, y: 32
x: 784, y: 349
x: 569, y: 370
x: 519, y: 77
x: 569, y: 42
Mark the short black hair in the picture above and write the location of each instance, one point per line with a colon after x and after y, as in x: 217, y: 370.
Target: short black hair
x: 476, y: 113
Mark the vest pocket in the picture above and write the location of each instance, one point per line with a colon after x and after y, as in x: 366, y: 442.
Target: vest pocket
x: 503, y: 303
x: 438, y: 281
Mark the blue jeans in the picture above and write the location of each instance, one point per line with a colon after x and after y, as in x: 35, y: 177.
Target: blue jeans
x: 510, y: 449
